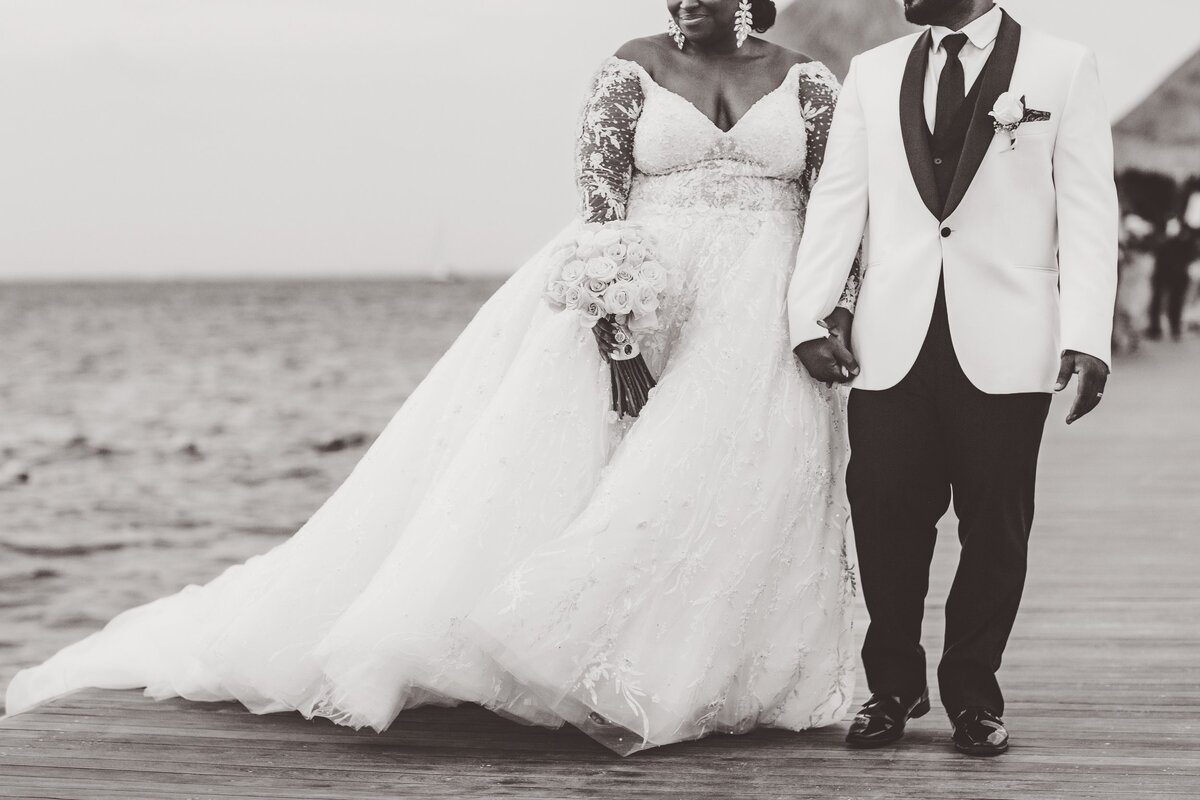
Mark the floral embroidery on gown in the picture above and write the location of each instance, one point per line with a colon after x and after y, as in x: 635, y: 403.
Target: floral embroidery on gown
x: 507, y: 542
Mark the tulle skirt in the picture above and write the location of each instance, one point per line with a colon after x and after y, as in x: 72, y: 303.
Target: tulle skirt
x: 506, y: 541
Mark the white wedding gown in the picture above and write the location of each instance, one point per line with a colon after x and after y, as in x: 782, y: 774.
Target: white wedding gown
x: 506, y: 542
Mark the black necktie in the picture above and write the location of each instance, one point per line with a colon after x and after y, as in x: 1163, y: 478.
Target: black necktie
x: 952, y: 87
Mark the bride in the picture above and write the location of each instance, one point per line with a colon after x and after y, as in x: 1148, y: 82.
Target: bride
x: 509, y: 540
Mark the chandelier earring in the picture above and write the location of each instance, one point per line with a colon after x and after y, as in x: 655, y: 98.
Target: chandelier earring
x: 675, y: 33
x: 743, y: 21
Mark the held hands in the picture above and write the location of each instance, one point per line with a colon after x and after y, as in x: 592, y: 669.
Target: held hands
x: 1093, y: 375
x: 830, y: 360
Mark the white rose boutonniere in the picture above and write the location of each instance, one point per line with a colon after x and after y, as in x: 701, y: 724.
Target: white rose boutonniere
x: 1010, y: 112
x: 1009, y: 109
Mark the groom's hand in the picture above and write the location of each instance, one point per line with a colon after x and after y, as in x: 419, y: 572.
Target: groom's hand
x: 1093, y: 375
x: 840, y: 324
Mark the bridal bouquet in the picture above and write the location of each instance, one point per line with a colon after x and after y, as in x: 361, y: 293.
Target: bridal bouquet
x: 609, y: 273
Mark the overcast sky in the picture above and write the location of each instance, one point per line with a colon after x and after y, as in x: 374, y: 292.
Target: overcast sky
x: 198, y: 138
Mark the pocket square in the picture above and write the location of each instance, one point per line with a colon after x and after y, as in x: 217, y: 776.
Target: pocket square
x: 1033, y: 115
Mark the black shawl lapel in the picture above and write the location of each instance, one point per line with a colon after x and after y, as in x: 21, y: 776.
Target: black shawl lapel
x: 996, y: 77
x: 913, y: 125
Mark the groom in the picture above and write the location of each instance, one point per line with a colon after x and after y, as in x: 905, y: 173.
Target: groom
x: 976, y: 156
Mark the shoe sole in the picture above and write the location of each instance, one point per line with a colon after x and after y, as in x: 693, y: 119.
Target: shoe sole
x: 981, y: 752
x: 921, y: 709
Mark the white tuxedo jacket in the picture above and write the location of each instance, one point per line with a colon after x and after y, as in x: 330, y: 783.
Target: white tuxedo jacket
x: 1028, y: 240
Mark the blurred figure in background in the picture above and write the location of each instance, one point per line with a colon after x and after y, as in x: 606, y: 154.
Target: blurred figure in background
x: 1173, y: 256
x: 1151, y: 202
x: 1134, y: 292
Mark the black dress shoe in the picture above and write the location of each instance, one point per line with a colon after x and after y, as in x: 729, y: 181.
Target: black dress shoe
x: 882, y: 719
x: 979, y: 732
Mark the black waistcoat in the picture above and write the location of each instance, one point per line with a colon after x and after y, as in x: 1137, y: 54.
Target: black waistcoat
x: 948, y: 149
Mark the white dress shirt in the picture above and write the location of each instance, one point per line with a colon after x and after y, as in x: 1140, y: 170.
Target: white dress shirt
x: 981, y: 36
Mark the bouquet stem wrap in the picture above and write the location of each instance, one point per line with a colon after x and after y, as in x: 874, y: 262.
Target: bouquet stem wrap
x: 631, y: 378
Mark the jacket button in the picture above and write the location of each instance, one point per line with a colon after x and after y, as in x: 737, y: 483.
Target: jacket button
x: 937, y: 161
x: 946, y: 233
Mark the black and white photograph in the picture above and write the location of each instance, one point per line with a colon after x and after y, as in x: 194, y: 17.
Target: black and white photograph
x: 630, y: 399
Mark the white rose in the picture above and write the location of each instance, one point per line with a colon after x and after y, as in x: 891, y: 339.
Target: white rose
x: 595, y: 286
x: 645, y: 299
x: 573, y: 297
x: 632, y: 236
x: 619, y: 298
x: 590, y: 313
x: 654, y: 275
x: 625, y: 275
x: 602, y: 268
x: 635, y: 254
x: 1009, y: 109
x: 557, y: 292
x: 616, y: 252
x: 573, y: 271
x: 645, y: 308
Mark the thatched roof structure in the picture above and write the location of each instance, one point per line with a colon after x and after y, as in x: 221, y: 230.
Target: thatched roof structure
x: 1162, y: 134
x: 834, y: 31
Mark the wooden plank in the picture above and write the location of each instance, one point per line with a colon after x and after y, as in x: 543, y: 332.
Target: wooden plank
x: 1103, y: 676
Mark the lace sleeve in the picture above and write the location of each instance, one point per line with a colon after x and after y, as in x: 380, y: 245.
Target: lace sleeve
x: 604, y: 156
x: 819, y: 91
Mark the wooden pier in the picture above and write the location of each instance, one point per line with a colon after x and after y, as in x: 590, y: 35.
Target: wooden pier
x: 1102, y: 676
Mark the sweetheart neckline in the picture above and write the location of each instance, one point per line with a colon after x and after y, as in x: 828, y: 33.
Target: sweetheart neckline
x: 782, y: 84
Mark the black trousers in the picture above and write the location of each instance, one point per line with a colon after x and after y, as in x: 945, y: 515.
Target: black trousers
x: 931, y: 437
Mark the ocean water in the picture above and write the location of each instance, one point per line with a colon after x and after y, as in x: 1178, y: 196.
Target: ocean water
x: 153, y: 434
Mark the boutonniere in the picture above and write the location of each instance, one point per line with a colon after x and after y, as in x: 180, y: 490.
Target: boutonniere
x: 1010, y: 113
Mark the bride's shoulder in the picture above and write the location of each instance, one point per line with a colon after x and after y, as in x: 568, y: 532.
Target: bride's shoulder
x: 784, y: 59
x: 786, y: 55
x: 650, y: 53
x: 810, y: 68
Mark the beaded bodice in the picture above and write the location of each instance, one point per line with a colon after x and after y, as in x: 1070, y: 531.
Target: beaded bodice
x: 644, y: 145
x: 681, y: 157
